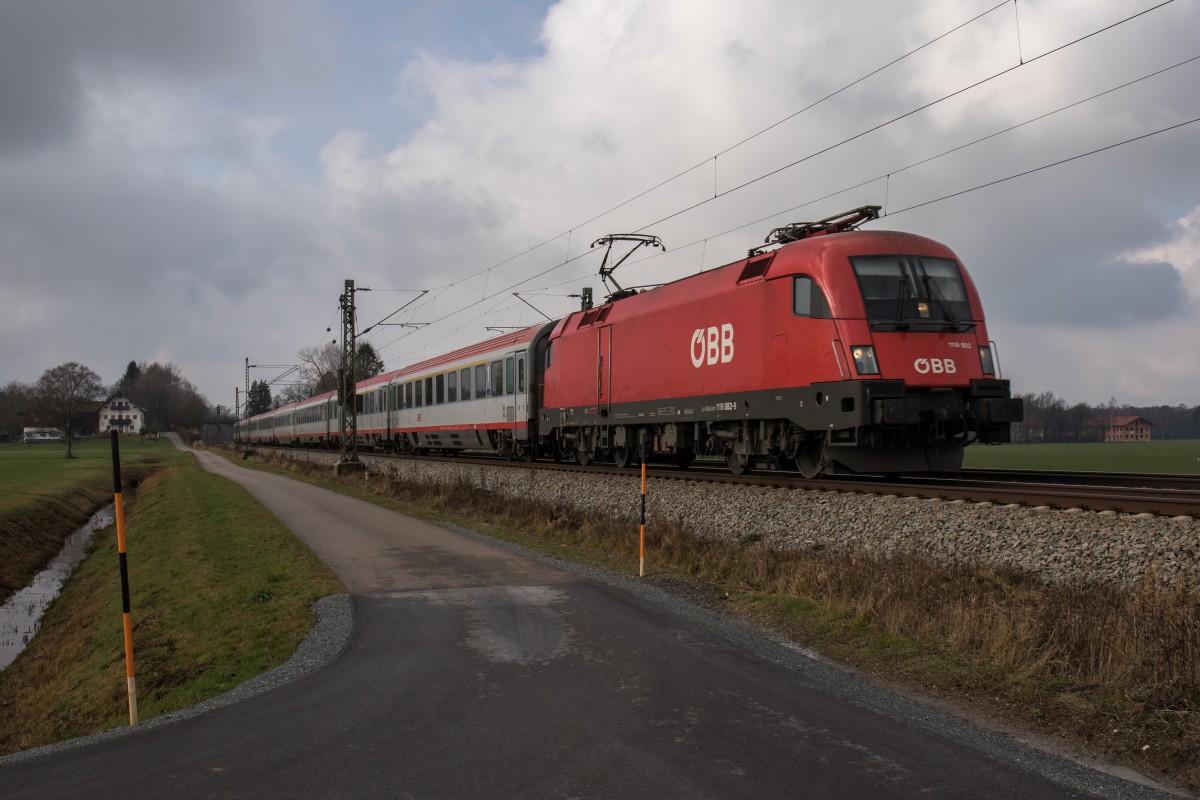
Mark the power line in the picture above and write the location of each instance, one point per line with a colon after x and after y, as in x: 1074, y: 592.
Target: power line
x: 724, y: 151
x: 917, y: 110
x: 929, y: 159
x: 972, y: 86
x: 1048, y: 166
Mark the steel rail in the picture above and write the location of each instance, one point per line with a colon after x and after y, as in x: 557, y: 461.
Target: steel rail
x: 1060, y: 490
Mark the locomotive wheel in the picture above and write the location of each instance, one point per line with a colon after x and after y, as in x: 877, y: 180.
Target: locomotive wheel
x: 622, y: 457
x: 738, y: 464
x: 810, y: 458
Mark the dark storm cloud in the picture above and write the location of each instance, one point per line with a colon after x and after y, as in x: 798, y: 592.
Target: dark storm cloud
x: 47, y: 47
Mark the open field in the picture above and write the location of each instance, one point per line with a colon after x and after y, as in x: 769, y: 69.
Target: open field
x: 220, y: 592
x: 1179, y: 456
x: 46, y: 496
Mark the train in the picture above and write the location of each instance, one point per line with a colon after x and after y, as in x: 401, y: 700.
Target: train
x: 828, y: 349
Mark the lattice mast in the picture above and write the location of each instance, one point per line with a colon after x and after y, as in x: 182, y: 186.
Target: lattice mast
x: 346, y: 377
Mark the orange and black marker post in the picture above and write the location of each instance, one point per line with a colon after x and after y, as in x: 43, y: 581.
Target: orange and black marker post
x: 126, y: 618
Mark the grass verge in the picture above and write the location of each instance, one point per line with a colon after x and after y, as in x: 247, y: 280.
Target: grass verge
x: 1115, y: 673
x: 46, y: 497
x: 220, y: 592
x: 1176, y: 456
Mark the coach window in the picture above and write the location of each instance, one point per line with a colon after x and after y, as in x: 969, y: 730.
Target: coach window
x: 521, y: 372
x: 481, y: 381
x: 465, y: 380
x: 420, y: 397
x: 429, y: 391
x: 451, y: 387
x: 440, y: 382
x: 497, y: 378
x: 509, y: 375
x: 808, y: 300
x: 408, y: 395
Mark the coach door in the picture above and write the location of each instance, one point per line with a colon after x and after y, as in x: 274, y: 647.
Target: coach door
x: 603, y: 369
x: 519, y: 378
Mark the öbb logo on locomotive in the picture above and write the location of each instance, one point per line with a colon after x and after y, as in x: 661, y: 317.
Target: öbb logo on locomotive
x: 712, y: 345
x: 938, y: 366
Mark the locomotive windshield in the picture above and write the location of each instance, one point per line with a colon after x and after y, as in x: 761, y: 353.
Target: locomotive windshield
x: 913, y: 292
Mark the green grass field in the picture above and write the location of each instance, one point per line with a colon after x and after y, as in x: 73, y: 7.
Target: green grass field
x: 1176, y: 456
x: 45, y: 496
x: 31, y: 473
x: 221, y: 591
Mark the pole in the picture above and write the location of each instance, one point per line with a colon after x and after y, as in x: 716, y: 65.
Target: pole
x: 126, y: 618
x: 642, y: 530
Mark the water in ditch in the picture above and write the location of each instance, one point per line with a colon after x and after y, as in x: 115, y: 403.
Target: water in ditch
x: 21, y: 614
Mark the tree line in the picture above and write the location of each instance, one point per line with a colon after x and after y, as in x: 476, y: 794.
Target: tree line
x: 1050, y: 418
x: 67, y: 397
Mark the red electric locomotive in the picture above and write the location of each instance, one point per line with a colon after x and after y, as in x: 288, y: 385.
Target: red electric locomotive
x: 829, y: 349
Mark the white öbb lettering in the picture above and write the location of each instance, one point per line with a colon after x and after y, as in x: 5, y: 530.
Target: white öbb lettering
x: 712, y: 345
x: 938, y: 366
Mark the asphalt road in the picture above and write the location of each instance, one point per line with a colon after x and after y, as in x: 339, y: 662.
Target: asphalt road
x: 476, y: 672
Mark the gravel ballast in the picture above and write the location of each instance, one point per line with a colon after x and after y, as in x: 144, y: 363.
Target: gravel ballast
x: 1051, y: 545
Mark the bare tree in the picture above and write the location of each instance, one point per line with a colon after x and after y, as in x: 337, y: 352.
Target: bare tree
x: 318, y: 368
x: 65, y: 392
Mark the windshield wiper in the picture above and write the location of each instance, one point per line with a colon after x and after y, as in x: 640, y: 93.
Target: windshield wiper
x: 902, y: 294
x: 935, y: 292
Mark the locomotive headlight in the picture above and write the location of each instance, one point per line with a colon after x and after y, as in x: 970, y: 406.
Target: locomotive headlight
x: 985, y: 358
x: 864, y: 360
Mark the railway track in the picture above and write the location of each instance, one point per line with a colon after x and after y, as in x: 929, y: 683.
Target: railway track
x: 1120, y: 493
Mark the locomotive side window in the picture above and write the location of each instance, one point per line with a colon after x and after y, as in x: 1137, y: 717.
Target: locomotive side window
x: 481, y: 381
x: 808, y: 300
x: 549, y: 352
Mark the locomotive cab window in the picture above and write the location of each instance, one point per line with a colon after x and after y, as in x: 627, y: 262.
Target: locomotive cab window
x: 808, y: 300
x: 913, y: 289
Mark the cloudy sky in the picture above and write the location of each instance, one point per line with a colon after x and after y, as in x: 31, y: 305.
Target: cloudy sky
x: 193, y: 182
